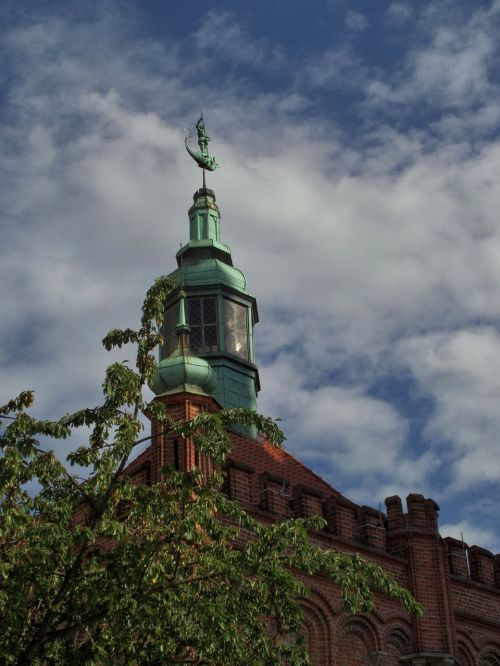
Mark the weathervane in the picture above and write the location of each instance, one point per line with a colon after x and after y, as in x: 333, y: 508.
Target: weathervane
x: 202, y: 158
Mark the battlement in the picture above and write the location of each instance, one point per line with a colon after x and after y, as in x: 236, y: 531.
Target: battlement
x: 403, y: 535
x: 473, y: 562
x: 422, y: 513
x: 258, y: 484
x: 378, y: 530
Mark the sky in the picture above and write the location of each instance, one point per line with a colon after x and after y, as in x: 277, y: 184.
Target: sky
x: 359, y: 153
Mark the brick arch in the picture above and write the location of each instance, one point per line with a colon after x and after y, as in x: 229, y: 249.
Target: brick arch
x: 329, y: 606
x: 317, y: 635
x: 464, y: 656
x: 397, y: 643
x: 358, y: 639
x: 490, y: 656
x: 318, y: 616
x: 467, y: 650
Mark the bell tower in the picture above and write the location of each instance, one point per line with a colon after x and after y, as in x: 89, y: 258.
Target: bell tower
x: 220, y: 313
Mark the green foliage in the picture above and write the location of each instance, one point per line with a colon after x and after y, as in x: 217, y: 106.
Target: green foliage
x: 105, y: 571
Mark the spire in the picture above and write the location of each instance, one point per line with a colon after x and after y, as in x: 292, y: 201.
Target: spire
x: 214, y: 319
x: 204, y: 215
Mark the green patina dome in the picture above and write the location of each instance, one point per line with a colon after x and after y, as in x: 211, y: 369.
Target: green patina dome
x: 211, y: 272
x: 183, y: 372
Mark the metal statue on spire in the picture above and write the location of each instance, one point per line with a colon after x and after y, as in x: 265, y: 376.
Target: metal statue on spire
x: 202, y: 158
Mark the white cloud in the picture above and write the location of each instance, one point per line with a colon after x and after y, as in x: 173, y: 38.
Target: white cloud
x: 399, y: 12
x: 221, y: 36
x: 474, y: 124
x: 367, y: 252
x: 344, y: 432
x: 334, y: 68
x: 461, y: 371
x: 454, y: 68
x: 405, y: 251
x: 449, y: 68
x: 356, y: 21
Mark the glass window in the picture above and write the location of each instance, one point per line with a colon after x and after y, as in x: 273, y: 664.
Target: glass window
x: 235, y: 328
x: 170, y: 321
x: 202, y: 320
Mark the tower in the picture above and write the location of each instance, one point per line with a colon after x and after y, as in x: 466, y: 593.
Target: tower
x: 220, y: 313
x: 206, y: 363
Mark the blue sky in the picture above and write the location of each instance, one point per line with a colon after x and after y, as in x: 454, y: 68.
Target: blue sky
x: 359, y: 152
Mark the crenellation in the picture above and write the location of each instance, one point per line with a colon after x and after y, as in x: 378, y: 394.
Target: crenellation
x: 481, y: 565
x: 340, y: 514
x: 307, y: 501
x: 274, y: 494
x: 238, y: 481
x: 417, y: 511
x: 394, y: 508
x: 432, y: 513
x: 372, y: 527
x: 411, y: 536
x: 458, y: 563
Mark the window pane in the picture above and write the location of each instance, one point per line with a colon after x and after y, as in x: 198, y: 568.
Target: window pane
x: 210, y: 338
x: 195, y: 341
x: 194, y: 311
x: 235, y: 328
x: 209, y: 316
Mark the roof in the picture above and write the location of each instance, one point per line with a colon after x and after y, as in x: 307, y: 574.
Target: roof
x: 262, y: 456
x: 265, y: 457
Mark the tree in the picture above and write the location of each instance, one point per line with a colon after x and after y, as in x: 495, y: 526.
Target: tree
x: 104, y: 571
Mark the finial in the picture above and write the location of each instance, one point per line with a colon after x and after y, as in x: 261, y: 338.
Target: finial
x: 202, y: 158
x: 182, y: 327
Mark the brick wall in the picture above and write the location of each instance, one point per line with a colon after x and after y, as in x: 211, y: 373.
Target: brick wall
x: 458, y: 585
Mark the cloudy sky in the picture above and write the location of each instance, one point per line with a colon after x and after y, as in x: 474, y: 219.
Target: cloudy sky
x: 359, y: 151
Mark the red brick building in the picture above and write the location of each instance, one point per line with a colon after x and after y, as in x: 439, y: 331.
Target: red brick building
x: 458, y: 585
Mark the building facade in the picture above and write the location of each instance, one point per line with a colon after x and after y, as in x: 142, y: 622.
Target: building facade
x: 207, y: 363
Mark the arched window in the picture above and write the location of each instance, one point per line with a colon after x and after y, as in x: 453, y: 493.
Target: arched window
x: 397, y: 644
x: 353, y: 651
x: 314, y: 632
x: 357, y: 643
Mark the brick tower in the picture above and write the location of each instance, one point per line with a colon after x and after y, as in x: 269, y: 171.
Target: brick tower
x: 207, y: 363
